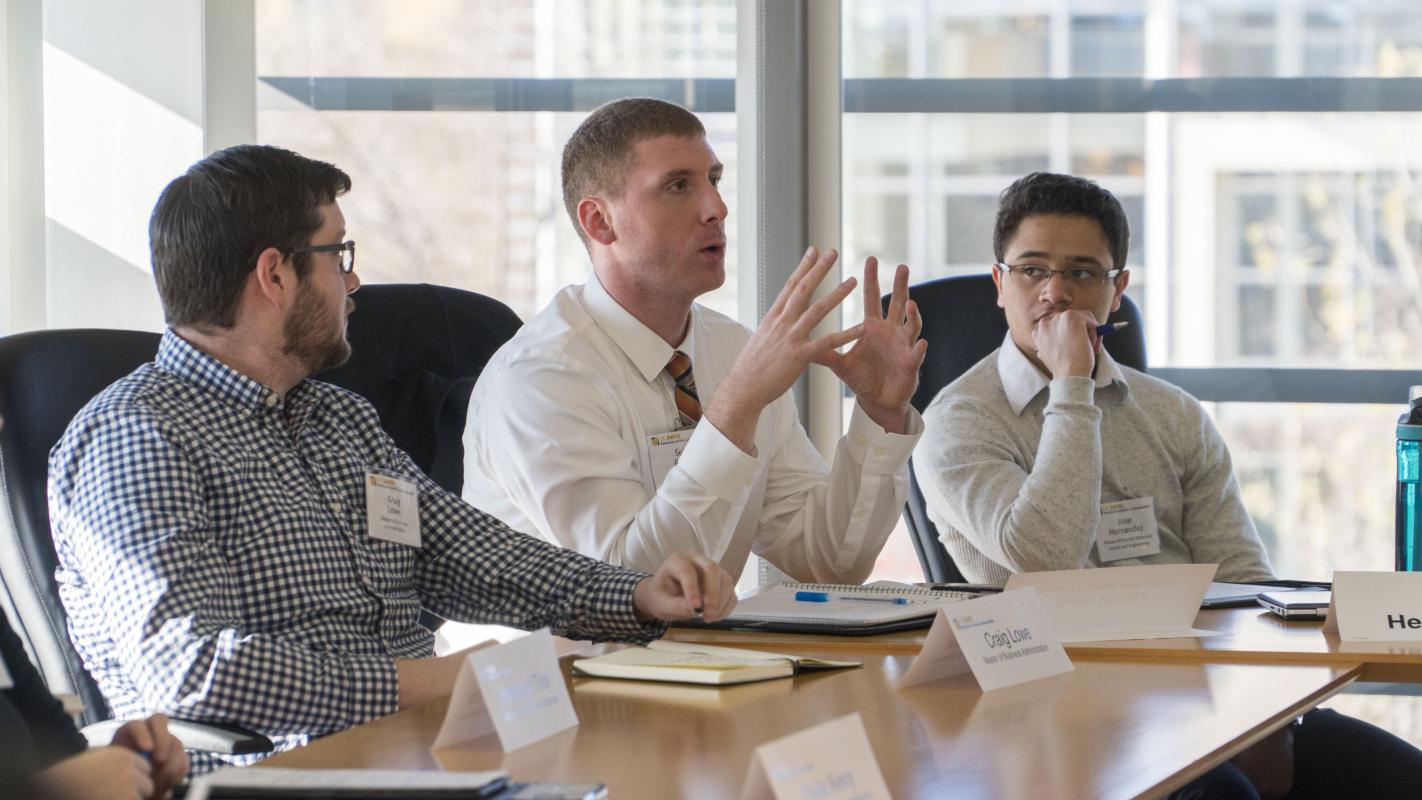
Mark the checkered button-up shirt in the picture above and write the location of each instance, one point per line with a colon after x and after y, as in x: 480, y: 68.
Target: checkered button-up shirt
x: 215, y: 561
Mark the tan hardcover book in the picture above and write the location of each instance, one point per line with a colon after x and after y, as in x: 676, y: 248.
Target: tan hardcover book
x: 684, y: 662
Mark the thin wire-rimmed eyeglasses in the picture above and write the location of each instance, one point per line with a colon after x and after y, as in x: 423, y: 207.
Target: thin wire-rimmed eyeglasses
x: 346, y: 249
x: 1037, y: 274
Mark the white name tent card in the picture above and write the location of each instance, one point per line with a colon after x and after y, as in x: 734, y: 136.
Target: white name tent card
x: 1376, y: 607
x: 515, y: 690
x: 1115, y: 603
x: 831, y: 761
x: 1004, y: 639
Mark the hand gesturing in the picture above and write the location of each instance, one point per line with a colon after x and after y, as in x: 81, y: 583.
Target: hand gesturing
x: 882, y: 366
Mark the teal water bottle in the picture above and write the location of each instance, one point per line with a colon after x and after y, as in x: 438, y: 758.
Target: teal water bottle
x: 1409, y: 472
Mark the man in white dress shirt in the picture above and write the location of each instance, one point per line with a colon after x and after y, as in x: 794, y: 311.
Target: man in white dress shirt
x: 629, y: 423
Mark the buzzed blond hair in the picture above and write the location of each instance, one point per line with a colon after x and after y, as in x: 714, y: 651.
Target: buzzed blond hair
x: 599, y: 153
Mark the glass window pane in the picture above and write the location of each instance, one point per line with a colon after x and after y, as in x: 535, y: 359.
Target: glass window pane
x: 472, y: 198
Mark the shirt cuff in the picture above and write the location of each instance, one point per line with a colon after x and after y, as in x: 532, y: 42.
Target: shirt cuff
x: 881, y: 452
x: 716, y: 464
x: 1073, y: 389
x: 617, y: 614
x: 374, y: 687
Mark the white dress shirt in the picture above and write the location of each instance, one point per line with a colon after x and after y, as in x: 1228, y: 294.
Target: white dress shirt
x: 556, y: 445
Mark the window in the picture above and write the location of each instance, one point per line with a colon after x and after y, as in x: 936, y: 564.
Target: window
x: 451, y: 116
x: 1275, y: 216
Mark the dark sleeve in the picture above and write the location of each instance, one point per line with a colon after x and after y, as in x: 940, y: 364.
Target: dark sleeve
x: 42, y: 717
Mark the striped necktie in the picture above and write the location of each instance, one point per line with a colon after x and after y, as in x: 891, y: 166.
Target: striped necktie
x: 688, y: 405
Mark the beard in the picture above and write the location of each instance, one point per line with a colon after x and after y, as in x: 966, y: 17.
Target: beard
x: 312, y: 334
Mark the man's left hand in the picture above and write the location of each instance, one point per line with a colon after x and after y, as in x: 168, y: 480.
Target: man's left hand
x: 685, y: 586
x: 882, y: 366
x: 164, y: 752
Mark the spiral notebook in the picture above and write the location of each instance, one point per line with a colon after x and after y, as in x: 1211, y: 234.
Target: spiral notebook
x: 844, y: 610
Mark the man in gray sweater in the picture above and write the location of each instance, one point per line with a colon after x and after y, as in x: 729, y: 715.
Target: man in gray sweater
x: 1048, y: 454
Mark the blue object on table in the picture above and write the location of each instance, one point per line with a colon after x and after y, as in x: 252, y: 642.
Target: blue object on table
x: 1409, y: 471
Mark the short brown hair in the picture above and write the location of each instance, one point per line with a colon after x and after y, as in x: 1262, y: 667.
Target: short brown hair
x: 211, y: 224
x: 600, y: 150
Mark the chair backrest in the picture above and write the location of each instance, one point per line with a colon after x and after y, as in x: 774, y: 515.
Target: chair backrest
x: 416, y: 351
x: 45, y: 378
x: 963, y: 324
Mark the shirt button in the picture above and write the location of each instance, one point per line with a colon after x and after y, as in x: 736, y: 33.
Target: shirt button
x: 879, y: 451
x: 336, y: 509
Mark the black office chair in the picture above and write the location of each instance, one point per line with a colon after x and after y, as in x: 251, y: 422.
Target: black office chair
x: 45, y: 378
x: 963, y: 324
x: 416, y: 351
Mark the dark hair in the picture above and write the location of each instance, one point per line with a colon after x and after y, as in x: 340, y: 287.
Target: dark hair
x: 1042, y: 193
x: 212, y: 223
x: 600, y: 150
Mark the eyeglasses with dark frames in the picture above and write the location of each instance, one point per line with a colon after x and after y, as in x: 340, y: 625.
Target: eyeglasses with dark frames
x: 1080, y: 277
x: 346, y: 249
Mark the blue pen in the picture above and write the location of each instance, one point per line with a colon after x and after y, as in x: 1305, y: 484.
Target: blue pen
x: 823, y: 597
x: 1111, y: 327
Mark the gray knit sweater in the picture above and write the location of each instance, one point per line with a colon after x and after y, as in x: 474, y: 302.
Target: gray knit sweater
x: 1021, y: 492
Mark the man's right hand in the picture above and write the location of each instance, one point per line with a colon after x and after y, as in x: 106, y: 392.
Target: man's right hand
x: 1066, y: 343
x: 779, y: 350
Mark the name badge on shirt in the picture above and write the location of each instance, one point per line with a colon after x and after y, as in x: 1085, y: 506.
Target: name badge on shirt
x: 664, y: 450
x: 1127, y: 530
x: 392, y: 509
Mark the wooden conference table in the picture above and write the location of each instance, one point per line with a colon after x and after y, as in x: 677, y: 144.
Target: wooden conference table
x: 1112, y: 728
x: 1249, y: 635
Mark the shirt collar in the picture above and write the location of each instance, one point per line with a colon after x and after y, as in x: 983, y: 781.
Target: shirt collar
x: 1022, y: 381
x: 648, y: 352
x: 180, y: 358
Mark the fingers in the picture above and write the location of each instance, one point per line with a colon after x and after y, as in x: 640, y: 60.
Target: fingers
x: 871, y: 289
x: 726, y: 596
x: 135, y: 735
x: 913, y: 322
x: 708, y: 579
x: 816, y: 313
x: 142, y: 782
x: 804, y: 286
x: 806, y: 261
x: 681, y: 570
x: 900, y: 296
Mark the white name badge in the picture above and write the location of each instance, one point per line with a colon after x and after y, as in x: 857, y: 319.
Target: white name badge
x: 1376, y: 607
x: 6, y: 682
x: 1114, y: 603
x: 832, y: 761
x: 664, y: 451
x: 392, y: 509
x: 1127, y: 529
x: 1005, y: 639
x: 515, y: 690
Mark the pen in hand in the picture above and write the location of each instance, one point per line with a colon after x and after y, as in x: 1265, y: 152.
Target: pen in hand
x: 1111, y: 327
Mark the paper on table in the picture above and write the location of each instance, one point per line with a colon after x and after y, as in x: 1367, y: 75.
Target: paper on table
x: 344, y: 780
x: 1120, y: 603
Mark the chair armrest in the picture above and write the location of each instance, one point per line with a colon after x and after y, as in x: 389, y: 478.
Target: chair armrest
x: 212, y: 737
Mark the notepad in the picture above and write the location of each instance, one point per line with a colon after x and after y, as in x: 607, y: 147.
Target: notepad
x: 682, y: 662
x: 252, y: 783
x: 848, y: 610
